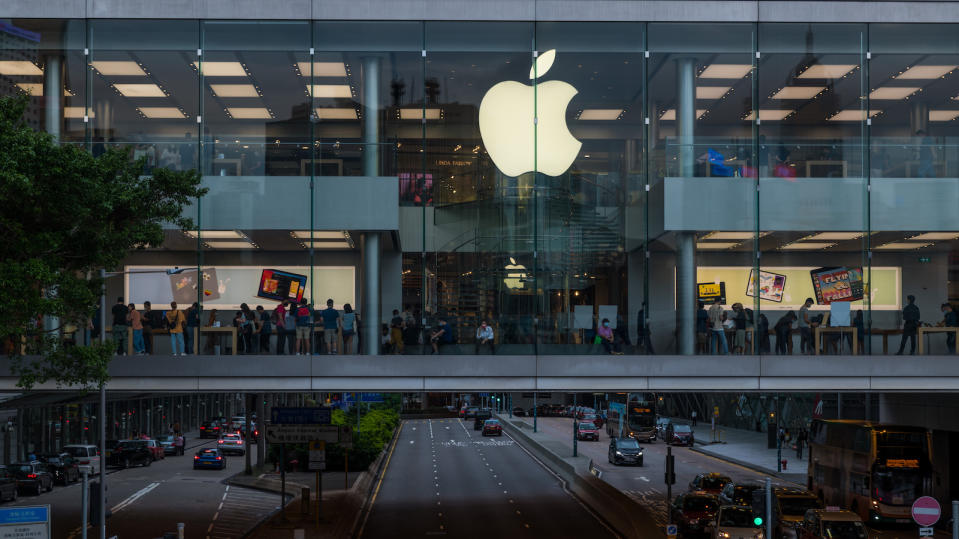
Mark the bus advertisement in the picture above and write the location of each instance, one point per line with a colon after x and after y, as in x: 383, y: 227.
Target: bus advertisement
x: 631, y: 415
x: 875, y: 470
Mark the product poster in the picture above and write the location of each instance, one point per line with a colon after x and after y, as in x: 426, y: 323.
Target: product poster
x: 183, y: 286
x: 280, y: 285
x: 708, y: 292
x: 837, y: 284
x: 771, y: 285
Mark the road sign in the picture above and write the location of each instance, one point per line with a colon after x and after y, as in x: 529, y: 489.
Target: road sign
x: 301, y: 434
x: 317, y: 456
x: 672, y: 530
x: 926, y: 511
x: 927, y: 532
x: 300, y: 416
x: 32, y: 522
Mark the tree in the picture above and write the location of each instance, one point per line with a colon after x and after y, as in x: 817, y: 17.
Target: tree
x: 67, y: 214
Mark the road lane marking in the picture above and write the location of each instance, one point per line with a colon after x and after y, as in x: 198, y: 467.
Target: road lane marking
x: 644, y: 479
x: 431, y: 429
x: 136, y: 496
x: 379, y: 482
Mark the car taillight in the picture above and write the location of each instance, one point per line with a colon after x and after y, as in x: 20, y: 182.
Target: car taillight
x: 216, y: 428
x: 196, y: 457
x: 219, y: 441
x: 219, y: 458
x: 202, y: 428
x: 31, y: 476
x: 256, y: 433
x: 239, y: 442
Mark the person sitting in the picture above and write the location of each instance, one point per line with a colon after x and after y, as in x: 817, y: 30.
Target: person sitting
x: 608, y: 339
x: 442, y: 335
x: 484, y: 336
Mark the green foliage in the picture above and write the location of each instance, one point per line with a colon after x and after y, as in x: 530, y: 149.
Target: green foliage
x: 67, y: 214
x: 375, y: 431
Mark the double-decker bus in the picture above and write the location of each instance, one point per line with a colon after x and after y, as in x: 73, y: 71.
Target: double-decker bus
x: 873, y: 469
x: 631, y: 414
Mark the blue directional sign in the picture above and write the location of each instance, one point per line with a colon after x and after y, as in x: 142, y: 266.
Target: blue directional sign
x: 672, y: 530
x: 363, y: 397
x: 24, y: 515
x: 300, y: 416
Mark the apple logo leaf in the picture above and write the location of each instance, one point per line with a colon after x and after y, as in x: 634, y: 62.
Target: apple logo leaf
x: 542, y: 64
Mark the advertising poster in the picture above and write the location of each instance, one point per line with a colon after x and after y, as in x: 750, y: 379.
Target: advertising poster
x: 183, y: 285
x: 280, y: 285
x: 708, y: 292
x: 771, y: 285
x: 837, y: 284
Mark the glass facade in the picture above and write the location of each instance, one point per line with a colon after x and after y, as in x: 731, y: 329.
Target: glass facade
x: 541, y: 176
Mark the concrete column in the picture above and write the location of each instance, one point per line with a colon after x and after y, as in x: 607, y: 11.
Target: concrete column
x: 53, y: 94
x: 260, y: 422
x: 686, y: 113
x: 371, y: 117
x: 686, y: 241
x: 371, y: 294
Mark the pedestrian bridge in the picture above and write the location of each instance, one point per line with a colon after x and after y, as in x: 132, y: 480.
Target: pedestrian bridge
x: 410, y: 373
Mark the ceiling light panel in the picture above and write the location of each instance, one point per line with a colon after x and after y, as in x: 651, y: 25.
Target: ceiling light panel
x: 943, y: 115
x: 923, y: 72
x: 711, y: 92
x: 418, y: 114
x: 827, y: 71
x: 330, y: 90
x: 221, y: 69
x: 725, y: 71
x: 120, y: 68
x: 249, y: 113
x: 139, y: 90
x: 719, y: 235
x: 229, y: 245
x: 216, y: 234
x: 336, y: 114
x: 670, y: 115
x: 855, y: 115
x: 322, y: 69
x: 716, y: 245
x: 798, y: 92
x: 600, y: 114
x: 75, y: 112
x: 893, y: 92
x: 318, y: 234
x: 161, y: 112
x: 19, y: 67
x: 901, y: 246
x: 770, y: 115
x: 328, y: 245
x: 36, y: 89
x: 234, y: 90
x: 806, y: 246
x: 835, y: 236
x: 935, y: 236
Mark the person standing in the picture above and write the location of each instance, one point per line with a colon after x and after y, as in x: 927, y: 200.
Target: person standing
x: 762, y: 329
x: 783, y: 329
x: 151, y: 320
x: 484, y: 337
x: 331, y: 326
x: 266, y: 329
x: 289, y: 331
x: 248, y: 324
x: 136, y: 323
x: 442, y: 335
x: 739, y: 318
x: 178, y: 443
x: 702, y: 328
x: 693, y: 417
x: 950, y: 319
x: 350, y: 319
x: 643, y: 337
x: 800, y: 442
x: 304, y: 318
x: 396, y: 332
x: 192, y: 326
x: 175, y: 321
x: 805, y: 328
x: 120, y: 312
x: 716, y: 326
x: 910, y: 325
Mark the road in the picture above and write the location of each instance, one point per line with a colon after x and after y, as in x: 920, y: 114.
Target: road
x: 444, y: 479
x: 646, y: 484
x: 148, y: 501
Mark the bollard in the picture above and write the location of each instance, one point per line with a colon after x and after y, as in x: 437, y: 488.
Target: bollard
x: 84, y: 498
x: 305, y: 500
x: 784, y: 464
x: 180, y: 530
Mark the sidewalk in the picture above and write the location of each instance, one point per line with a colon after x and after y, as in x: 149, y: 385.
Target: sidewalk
x: 749, y: 448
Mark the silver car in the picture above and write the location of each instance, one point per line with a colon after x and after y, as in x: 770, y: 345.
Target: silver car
x: 231, y: 444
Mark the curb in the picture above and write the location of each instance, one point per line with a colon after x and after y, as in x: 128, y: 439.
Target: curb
x: 744, y: 464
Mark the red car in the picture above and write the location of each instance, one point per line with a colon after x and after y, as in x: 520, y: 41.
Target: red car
x: 586, y: 430
x: 594, y: 419
x: 693, y: 512
x: 491, y: 427
x: 156, y: 449
x: 679, y: 434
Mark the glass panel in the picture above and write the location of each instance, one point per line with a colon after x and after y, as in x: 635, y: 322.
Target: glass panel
x: 811, y: 142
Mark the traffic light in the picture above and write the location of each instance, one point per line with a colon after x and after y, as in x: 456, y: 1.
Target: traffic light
x: 759, y: 508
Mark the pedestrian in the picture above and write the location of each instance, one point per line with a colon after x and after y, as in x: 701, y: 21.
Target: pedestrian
x: 783, y: 330
x: 304, y: 317
x: 605, y: 333
x: 950, y: 319
x: 860, y: 325
x: 442, y: 335
x: 805, y: 328
x: 289, y: 331
x: 331, y: 326
x: 265, y: 329
x: 169, y: 430
x: 175, y: 322
x: 136, y: 323
x: 910, y: 325
x: 644, y: 338
x: 485, y: 337
x: 192, y: 315
x: 762, y: 328
x: 396, y: 332
x: 120, y: 312
x: 693, y: 417
x: 739, y: 319
x: 800, y: 442
x: 385, y: 346
x: 178, y: 443
x: 716, y: 326
x: 277, y: 318
x: 702, y: 328
x: 349, y: 323
x: 151, y: 320
x: 248, y: 326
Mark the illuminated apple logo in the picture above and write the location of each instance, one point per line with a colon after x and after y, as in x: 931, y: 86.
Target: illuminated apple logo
x: 506, y: 122
x: 515, y: 274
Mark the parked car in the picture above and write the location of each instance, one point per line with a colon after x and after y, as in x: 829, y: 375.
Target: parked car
x: 491, y: 427
x: 830, y: 524
x: 8, y: 485
x: 63, y: 467
x: 129, y: 453
x: 156, y: 450
x: 735, y: 521
x: 168, y: 443
x: 480, y: 417
x: 586, y: 430
x: 86, y: 455
x: 210, y: 429
x: 210, y: 457
x: 694, y: 512
x: 625, y: 451
x: 32, y: 477
x: 710, y: 482
x: 679, y: 434
x: 231, y: 444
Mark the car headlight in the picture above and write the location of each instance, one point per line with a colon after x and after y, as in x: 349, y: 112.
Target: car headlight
x: 640, y: 452
x: 724, y: 535
x: 619, y: 453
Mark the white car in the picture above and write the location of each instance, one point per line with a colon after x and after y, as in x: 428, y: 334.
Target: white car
x: 86, y: 455
x: 231, y: 444
x: 736, y: 522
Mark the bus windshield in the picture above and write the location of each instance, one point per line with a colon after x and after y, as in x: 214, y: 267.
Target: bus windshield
x: 641, y: 417
x: 897, y: 487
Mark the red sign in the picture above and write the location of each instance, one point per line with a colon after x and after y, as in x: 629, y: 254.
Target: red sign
x: 926, y: 511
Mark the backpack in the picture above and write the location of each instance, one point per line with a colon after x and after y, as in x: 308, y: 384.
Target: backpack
x: 303, y: 315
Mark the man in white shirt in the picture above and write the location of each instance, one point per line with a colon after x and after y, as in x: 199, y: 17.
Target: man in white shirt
x: 484, y: 336
x: 717, y: 332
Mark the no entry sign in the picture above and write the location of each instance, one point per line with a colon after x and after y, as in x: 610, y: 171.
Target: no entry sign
x: 926, y: 511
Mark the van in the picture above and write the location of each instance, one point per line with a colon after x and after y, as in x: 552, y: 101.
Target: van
x: 86, y: 455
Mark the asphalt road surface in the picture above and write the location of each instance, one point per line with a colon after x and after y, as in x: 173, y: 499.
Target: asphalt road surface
x: 445, y: 479
x: 148, y: 501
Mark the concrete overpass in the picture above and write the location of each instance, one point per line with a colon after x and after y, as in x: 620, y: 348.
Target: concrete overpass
x: 525, y: 373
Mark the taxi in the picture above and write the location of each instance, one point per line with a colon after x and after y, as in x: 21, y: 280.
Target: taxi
x: 831, y: 523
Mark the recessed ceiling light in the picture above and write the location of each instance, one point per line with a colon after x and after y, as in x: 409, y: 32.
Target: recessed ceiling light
x: 418, y: 114
x: 770, y: 115
x: 725, y: 71
x: 716, y: 245
x: 711, y: 92
x: 670, y: 115
x: 75, y: 112
x: 893, y: 92
x: 600, y: 114
x: 798, y: 92
x: 852, y: 115
x: 139, y: 90
x: 161, y: 112
x: 826, y: 71
x: 126, y: 68
x: 221, y: 69
x: 731, y: 235
x: 318, y: 234
x: 336, y: 114
x: 230, y: 245
x: 36, y: 89
x: 328, y: 245
x: 216, y: 234
x: 935, y: 236
x: 234, y: 90
x: 329, y: 90
x: 901, y: 246
x: 834, y: 236
x: 19, y: 67
x: 806, y: 246
x: 322, y: 69
x: 943, y: 115
x: 925, y: 72
x: 249, y: 113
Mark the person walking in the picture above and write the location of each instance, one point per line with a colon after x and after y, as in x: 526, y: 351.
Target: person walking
x: 120, y: 312
x: 910, y: 325
x: 136, y: 323
x: 644, y: 339
x: 442, y: 335
x: 331, y: 326
x: 175, y: 322
x: 349, y: 323
x: 484, y: 337
x: 304, y: 317
x: 178, y: 443
x: 800, y: 442
x: 693, y: 417
x: 716, y: 326
x: 805, y: 328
